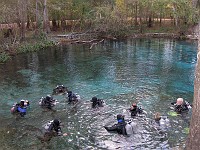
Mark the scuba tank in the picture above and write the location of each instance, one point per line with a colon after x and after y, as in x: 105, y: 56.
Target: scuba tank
x: 40, y: 101
x: 78, y: 97
x: 188, y: 105
x: 164, y: 123
x: 130, y: 127
x: 47, y: 125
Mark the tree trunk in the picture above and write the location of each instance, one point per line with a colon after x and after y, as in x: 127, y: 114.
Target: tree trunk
x: 36, y: 17
x: 28, y: 22
x: 141, y: 22
x: 149, y: 23
x: 46, y: 27
x: 175, y: 15
x: 195, y: 3
x: 160, y: 17
x: 63, y: 24
x: 22, y: 16
x: 54, y: 25
x: 194, y: 134
x: 136, y: 13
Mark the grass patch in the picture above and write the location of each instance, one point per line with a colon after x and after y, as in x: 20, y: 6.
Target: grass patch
x: 33, y: 47
x: 4, y: 57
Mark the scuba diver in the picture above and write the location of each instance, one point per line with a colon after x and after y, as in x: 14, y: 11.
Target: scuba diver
x: 134, y: 109
x: 161, y: 122
x: 97, y: 102
x: 73, y: 98
x: 122, y: 127
x: 52, y: 129
x: 20, y: 108
x: 181, y: 106
x: 119, y: 127
x: 60, y: 89
x: 47, y: 102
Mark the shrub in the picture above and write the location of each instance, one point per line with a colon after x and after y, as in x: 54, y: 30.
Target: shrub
x: 4, y: 57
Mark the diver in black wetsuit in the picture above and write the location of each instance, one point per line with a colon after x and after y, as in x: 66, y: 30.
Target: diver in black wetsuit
x: 60, y: 89
x: 134, y: 109
x: 119, y: 127
x: 47, y: 102
x: 52, y: 129
x: 72, y: 97
x: 97, y: 102
x: 181, y: 106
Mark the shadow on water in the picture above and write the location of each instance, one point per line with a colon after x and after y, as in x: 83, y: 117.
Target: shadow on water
x: 151, y: 72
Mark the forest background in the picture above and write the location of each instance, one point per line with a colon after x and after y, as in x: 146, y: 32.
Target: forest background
x: 28, y: 25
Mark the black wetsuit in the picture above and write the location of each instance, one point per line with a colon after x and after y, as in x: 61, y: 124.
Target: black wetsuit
x: 47, y: 102
x: 59, y: 89
x: 55, y: 128
x: 136, y: 110
x: 181, y: 108
x: 119, y: 128
x: 72, y: 98
x: 97, y: 103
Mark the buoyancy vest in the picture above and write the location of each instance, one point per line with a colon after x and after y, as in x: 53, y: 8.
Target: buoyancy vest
x: 181, y: 108
x: 21, y: 110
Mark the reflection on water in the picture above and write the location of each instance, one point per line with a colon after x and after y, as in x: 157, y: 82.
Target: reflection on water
x: 152, y: 72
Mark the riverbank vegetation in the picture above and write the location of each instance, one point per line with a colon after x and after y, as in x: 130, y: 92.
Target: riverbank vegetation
x: 38, y: 19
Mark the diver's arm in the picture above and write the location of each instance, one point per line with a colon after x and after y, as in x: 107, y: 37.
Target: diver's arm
x: 173, y: 103
x: 113, y: 128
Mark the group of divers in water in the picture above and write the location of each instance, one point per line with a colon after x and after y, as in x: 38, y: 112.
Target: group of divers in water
x: 124, y: 127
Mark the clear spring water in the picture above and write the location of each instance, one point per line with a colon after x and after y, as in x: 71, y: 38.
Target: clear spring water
x: 151, y: 72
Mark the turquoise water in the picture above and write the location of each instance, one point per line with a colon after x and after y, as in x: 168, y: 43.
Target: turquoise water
x: 151, y: 72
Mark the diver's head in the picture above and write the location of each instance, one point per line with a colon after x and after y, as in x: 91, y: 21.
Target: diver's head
x: 94, y: 99
x: 120, y: 118
x: 48, y: 97
x: 157, y: 116
x: 179, y: 101
x: 22, y: 103
x: 56, y: 122
x: 134, y: 105
x: 69, y: 92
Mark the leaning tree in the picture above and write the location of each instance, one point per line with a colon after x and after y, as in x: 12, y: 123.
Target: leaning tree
x: 194, y: 134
